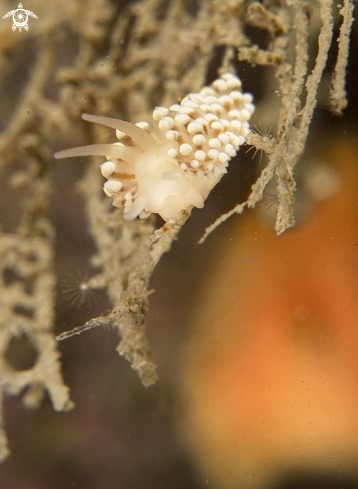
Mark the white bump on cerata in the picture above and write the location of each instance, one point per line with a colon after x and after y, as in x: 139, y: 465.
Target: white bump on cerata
x: 211, y: 117
x: 112, y: 186
x: 215, y: 143
x: 213, y: 154
x: 185, y: 149
x: 172, y: 135
x: 235, y: 114
x: 128, y: 196
x: 107, y: 168
x: 247, y: 98
x: 189, y: 102
x: 234, y: 83
x: 236, y: 95
x: 219, y: 109
x: 182, y: 118
x: 210, y: 100
x: 175, y: 107
x: 166, y: 124
x: 194, y: 164
x: 211, y: 175
x: 250, y: 107
x: 200, y: 155
x: 223, y: 157
x: 236, y: 142
x: 202, y: 121
x: 236, y: 125
x: 217, y: 170
x: 220, y: 85
x: 245, y: 114
x: 227, y: 76
x: 208, y: 166
x: 144, y: 214
x: 226, y: 101
x: 245, y: 129
x: 196, y: 97
x: 115, y: 185
x: 107, y: 188
x: 172, y: 153
x: 199, y: 140
x: 225, y: 123
x: 205, y: 107
x: 232, y: 136
x: 217, y: 126
x: 230, y: 150
x: 186, y: 110
x: 194, y: 127
x: 224, y: 138
x: 142, y: 125
x: 160, y: 112
x: 183, y: 166
x: 206, y: 91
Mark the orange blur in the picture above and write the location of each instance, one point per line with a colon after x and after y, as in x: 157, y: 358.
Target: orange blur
x: 271, y: 370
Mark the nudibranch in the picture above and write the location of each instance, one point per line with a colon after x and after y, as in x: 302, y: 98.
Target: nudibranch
x: 171, y: 167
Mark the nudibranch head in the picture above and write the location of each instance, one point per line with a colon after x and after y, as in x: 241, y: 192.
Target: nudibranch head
x: 171, y: 167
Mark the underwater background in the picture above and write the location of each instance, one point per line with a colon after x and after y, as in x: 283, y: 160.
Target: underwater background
x: 254, y: 335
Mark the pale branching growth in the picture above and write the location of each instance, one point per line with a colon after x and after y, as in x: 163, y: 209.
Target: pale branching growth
x: 338, y: 94
x: 296, y: 113
x: 26, y: 301
x: 129, y: 313
x: 27, y: 280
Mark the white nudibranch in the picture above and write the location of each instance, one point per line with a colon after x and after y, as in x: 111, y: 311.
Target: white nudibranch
x: 171, y: 167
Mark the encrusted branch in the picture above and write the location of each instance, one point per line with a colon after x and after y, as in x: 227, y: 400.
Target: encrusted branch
x: 338, y: 94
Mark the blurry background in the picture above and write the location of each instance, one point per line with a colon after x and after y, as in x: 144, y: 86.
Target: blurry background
x: 255, y: 336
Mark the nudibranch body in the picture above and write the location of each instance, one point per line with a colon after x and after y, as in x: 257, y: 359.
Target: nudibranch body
x: 170, y: 168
